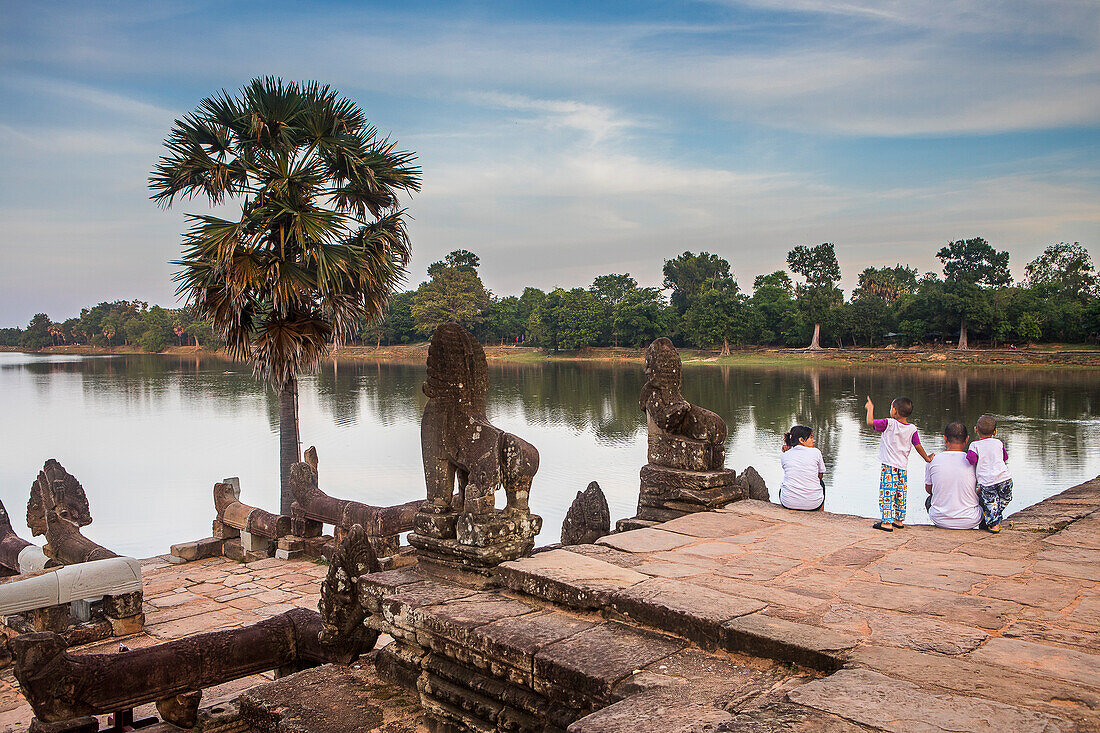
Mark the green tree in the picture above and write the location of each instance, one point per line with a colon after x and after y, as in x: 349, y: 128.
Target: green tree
x: 888, y: 283
x: 566, y: 320
x: 1066, y: 267
x: 773, y: 309
x: 686, y: 274
x: 716, y: 314
x: 611, y: 290
x: 320, y: 241
x: 641, y: 316
x: 453, y: 294
x: 819, y: 266
x: 37, y: 333
x: 970, y: 266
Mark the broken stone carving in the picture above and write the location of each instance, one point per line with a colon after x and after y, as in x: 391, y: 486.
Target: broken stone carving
x: 113, y: 586
x: 686, y: 470
x: 463, y: 451
x: 58, y: 508
x: 257, y: 529
x: 341, y: 613
x: 16, y: 554
x: 313, y: 508
x: 588, y: 518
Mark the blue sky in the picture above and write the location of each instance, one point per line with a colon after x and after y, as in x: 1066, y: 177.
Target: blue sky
x: 565, y: 140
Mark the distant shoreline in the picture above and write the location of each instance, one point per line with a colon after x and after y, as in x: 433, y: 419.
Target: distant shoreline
x: 928, y: 357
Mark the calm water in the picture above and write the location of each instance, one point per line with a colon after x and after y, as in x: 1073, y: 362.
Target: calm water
x: 149, y: 435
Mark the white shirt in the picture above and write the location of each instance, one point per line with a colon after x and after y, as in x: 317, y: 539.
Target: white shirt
x: 988, y: 456
x: 897, y: 440
x: 801, y: 487
x: 954, y: 491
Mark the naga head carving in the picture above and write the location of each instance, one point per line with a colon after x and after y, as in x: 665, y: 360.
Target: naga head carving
x: 303, y: 482
x: 457, y: 371
x: 662, y: 371
x: 58, y: 495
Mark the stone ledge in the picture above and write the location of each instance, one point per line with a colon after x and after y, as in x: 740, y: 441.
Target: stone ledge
x: 560, y: 576
x: 694, y: 612
x: 786, y: 641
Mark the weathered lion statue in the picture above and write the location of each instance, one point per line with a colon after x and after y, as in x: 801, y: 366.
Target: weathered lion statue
x: 667, y: 410
x: 457, y: 439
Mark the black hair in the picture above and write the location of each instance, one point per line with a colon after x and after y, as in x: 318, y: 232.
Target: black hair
x: 797, y: 433
x: 986, y: 425
x: 955, y: 432
x: 903, y: 405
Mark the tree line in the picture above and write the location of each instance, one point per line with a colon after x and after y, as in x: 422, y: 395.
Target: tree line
x: 700, y: 305
x: 131, y: 323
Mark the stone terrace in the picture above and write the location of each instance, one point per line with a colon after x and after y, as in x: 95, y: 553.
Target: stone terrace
x: 932, y: 629
x: 953, y: 630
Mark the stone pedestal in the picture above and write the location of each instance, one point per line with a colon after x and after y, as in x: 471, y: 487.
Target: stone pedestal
x: 476, y: 542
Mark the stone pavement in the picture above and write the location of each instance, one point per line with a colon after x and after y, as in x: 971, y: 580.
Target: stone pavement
x: 950, y: 630
x: 929, y: 629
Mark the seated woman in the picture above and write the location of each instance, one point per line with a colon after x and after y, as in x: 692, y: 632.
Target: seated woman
x: 803, y: 486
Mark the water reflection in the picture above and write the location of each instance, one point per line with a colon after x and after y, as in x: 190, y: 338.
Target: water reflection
x: 149, y: 435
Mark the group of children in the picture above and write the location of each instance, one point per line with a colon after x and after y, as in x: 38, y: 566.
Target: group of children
x: 803, y: 484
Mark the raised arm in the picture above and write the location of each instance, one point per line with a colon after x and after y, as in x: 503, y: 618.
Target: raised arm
x: 870, y: 411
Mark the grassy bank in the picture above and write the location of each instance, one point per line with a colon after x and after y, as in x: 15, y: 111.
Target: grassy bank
x: 1048, y: 357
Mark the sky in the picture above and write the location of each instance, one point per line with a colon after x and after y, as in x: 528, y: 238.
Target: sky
x: 561, y: 141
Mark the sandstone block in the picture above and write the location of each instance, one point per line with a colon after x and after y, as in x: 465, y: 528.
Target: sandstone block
x: 198, y: 550
x: 688, y: 610
x: 565, y: 577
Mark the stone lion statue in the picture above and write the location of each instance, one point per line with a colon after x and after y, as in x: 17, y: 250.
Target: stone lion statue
x: 665, y: 406
x: 458, y: 441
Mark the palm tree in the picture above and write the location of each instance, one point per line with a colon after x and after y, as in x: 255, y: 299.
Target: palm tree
x: 320, y: 242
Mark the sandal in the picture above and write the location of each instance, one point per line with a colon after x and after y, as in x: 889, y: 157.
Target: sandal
x: 898, y: 526
x: 883, y: 527
x: 994, y: 530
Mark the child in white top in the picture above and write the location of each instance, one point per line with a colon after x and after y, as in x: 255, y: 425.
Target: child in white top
x: 899, y: 436
x: 803, y: 485
x: 988, y: 455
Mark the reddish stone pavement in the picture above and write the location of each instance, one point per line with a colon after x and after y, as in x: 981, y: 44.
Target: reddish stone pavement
x: 954, y: 630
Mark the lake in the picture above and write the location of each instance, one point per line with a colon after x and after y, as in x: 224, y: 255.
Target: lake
x: 148, y: 436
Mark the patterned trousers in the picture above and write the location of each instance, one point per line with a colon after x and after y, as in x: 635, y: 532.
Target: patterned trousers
x: 891, y: 494
x: 994, y: 499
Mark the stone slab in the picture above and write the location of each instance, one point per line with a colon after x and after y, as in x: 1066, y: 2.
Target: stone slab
x: 960, y: 675
x: 455, y: 619
x: 568, y: 578
x: 904, y: 630
x: 786, y: 641
x: 889, y: 704
x: 517, y: 639
x: 587, y: 665
x: 986, y: 613
x: 1067, y: 664
x: 198, y: 550
x: 645, y: 540
x: 668, y: 711
x: 330, y: 698
x: 757, y: 566
x: 694, y: 612
x: 715, y: 524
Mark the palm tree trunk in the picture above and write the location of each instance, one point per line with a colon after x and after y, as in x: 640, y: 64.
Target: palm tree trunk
x: 962, y: 336
x: 816, y: 343
x: 289, y: 444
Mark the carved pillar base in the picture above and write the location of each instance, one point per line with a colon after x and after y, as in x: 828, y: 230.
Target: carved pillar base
x: 480, y: 542
x: 667, y: 493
